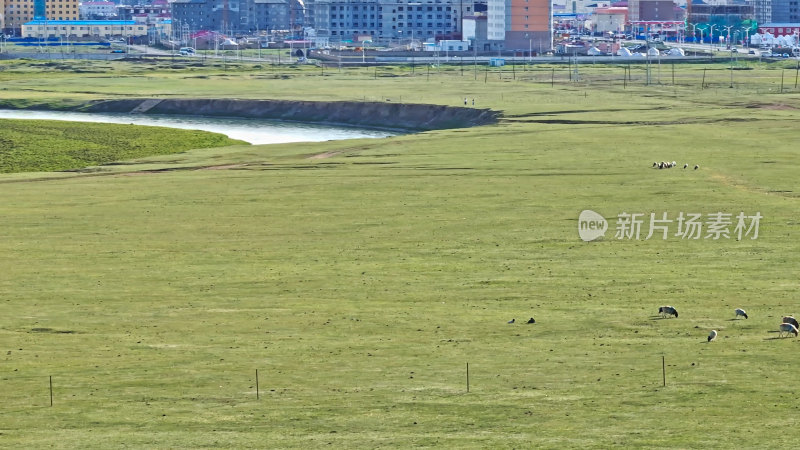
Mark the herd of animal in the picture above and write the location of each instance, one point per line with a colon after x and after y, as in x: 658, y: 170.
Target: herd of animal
x: 670, y: 165
x: 788, y: 324
x: 531, y: 320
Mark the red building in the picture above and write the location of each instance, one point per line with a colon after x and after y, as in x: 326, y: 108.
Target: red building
x: 780, y: 29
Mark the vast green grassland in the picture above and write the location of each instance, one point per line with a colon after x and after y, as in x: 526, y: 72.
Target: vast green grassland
x: 360, y: 285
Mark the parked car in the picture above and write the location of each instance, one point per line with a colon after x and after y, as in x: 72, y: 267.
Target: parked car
x: 187, y: 51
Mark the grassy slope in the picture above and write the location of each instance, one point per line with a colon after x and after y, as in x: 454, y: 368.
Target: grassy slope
x: 361, y: 285
x: 42, y: 146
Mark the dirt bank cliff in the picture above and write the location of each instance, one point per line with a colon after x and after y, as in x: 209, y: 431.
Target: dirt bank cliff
x: 366, y: 114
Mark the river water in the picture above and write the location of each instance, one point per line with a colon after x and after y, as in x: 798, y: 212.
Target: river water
x: 254, y: 131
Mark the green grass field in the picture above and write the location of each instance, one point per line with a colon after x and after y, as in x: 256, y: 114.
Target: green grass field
x: 45, y: 146
x: 360, y: 285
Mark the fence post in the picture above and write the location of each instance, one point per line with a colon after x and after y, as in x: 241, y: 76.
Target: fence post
x: 467, y: 377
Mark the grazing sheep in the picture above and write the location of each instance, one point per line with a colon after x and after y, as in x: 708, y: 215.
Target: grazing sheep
x: 712, y: 335
x: 674, y: 164
x: 787, y: 328
x: 666, y: 311
x: 531, y: 320
x: 655, y: 164
x: 696, y: 166
x: 740, y: 312
x: 791, y: 320
x: 685, y: 166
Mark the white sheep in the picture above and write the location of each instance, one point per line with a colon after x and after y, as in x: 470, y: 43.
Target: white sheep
x: 712, y: 335
x: 696, y: 166
x: 741, y: 312
x: 685, y: 165
x: 787, y: 328
x: 791, y: 320
x: 665, y: 311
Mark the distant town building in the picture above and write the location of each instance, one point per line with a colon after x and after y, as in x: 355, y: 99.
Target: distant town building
x: 70, y: 29
x: 721, y: 14
x: 97, y: 10
x: 18, y: 12
x: 609, y: 20
x: 273, y: 15
x: 158, y: 9
x: 521, y: 24
x: 785, y: 11
x: 762, y: 10
x: 476, y: 32
x: 238, y: 16
x: 780, y: 29
x: 387, y: 20
x: 652, y: 11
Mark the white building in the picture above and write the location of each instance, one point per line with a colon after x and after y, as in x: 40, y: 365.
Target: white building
x: 89, y: 10
x: 83, y: 28
x: 496, y: 21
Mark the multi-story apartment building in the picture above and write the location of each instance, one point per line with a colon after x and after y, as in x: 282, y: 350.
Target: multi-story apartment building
x: 273, y: 15
x: 18, y: 12
x: 309, y: 16
x: 652, y: 11
x: 722, y: 14
x: 342, y: 19
x: 520, y: 24
x: 762, y: 10
x: 97, y: 10
x: 385, y: 20
x: 156, y: 9
x: 785, y: 11
x: 237, y: 16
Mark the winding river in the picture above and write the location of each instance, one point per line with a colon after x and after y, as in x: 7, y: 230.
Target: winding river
x: 254, y: 131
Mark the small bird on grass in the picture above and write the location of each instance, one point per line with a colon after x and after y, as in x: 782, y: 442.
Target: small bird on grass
x: 531, y: 320
x: 512, y: 320
x: 712, y: 335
